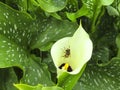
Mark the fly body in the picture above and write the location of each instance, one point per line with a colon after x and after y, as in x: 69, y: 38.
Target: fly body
x: 67, y: 53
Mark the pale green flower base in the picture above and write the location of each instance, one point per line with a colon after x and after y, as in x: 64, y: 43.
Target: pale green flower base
x: 67, y: 81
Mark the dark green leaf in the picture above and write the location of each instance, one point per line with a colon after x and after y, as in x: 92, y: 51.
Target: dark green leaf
x: 7, y: 79
x: 16, y: 33
x: 100, y: 78
x: 36, y: 73
x: 52, y: 5
x: 15, y: 25
x: 53, y: 30
x: 88, y: 9
x: 11, y: 54
x: 21, y: 5
x: 118, y: 44
x: 102, y: 55
x: 72, y: 6
x: 48, y: 60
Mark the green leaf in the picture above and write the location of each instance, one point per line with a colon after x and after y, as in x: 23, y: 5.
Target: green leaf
x: 15, y: 25
x: 16, y: 33
x: 28, y: 87
x: 52, y: 88
x: 55, y: 15
x: 46, y: 46
x: 112, y: 11
x: 102, y: 55
x: 68, y: 81
x: 83, y: 11
x: 7, y: 79
x: 38, y: 87
x: 22, y: 5
x: 52, y: 5
x: 88, y: 9
x: 48, y: 60
x: 32, y: 5
x: 106, y: 78
x: 91, y: 6
x: 119, y: 7
x: 36, y: 73
x: 11, y: 54
x: 106, y: 2
x: 53, y: 30
x: 118, y: 44
x: 72, y: 6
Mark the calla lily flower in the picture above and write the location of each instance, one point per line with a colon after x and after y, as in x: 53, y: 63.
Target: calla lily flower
x: 70, y: 54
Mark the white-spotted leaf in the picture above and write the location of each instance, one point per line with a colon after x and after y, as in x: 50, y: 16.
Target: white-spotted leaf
x: 100, y: 78
x: 17, y: 30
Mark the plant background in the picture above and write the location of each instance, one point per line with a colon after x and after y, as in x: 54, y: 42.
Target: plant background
x: 28, y: 29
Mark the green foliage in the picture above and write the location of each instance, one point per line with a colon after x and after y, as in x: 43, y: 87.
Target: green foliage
x: 54, y: 30
x: 118, y: 44
x: 100, y: 78
x: 108, y: 2
x: 26, y: 25
x: 15, y: 38
x: 52, y: 5
x: 38, y: 87
x: 87, y: 9
x: 27, y: 87
x: 90, y: 8
x: 7, y: 78
x: 112, y: 11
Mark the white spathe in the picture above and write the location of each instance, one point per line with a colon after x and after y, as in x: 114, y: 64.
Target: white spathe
x: 80, y: 50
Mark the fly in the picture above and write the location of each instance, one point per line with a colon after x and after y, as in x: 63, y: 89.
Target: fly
x: 67, y: 53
